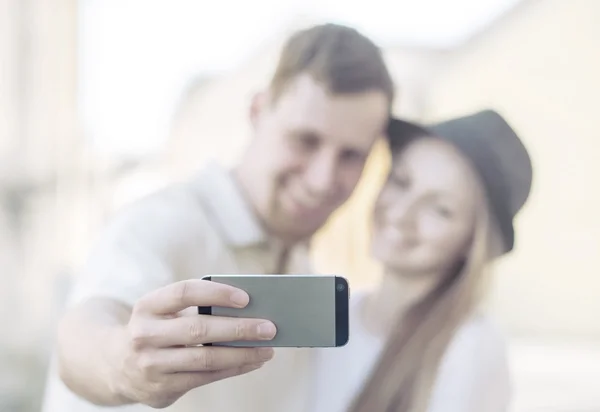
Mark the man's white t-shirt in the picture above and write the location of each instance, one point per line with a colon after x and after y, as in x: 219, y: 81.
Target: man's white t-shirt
x: 473, y: 374
x: 199, y: 227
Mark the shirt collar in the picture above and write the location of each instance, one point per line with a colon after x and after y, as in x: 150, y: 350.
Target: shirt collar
x: 229, y: 209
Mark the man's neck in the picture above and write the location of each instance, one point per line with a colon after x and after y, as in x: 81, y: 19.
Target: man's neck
x: 244, y: 176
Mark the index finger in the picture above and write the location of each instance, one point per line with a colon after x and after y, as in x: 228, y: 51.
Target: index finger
x: 194, y: 292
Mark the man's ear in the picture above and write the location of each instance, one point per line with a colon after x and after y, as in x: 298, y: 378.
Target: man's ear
x: 258, y: 105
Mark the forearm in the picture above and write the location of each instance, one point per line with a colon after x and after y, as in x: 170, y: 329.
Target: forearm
x: 88, y: 350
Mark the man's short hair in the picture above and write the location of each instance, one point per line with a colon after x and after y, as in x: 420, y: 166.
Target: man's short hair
x: 338, y: 57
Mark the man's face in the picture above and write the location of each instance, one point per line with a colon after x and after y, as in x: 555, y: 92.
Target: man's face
x: 309, y: 150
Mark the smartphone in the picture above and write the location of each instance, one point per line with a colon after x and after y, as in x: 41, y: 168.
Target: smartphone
x: 309, y: 311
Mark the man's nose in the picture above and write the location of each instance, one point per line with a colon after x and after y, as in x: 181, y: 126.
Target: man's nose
x: 321, y: 173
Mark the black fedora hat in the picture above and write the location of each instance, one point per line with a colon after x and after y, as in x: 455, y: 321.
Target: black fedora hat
x: 494, y: 150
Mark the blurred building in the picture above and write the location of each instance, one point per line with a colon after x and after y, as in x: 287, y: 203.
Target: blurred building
x: 38, y: 148
x: 53, y: 191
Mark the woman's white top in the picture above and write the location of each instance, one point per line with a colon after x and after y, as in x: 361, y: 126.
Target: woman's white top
x: 473, y: 374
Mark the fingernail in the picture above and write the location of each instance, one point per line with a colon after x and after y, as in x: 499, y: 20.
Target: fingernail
x: 239, y: 298
x: 265, y: 354
x: 266, y: 330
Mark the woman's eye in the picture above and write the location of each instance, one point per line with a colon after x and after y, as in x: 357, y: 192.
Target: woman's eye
x: 400, y: 181
x: 443, y: 211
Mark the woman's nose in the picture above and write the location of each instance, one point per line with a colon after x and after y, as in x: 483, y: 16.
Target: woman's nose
x: 403, y: 214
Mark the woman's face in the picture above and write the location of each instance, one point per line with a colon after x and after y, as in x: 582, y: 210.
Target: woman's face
x: 425, y: 215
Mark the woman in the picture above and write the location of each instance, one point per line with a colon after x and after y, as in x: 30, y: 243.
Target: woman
x: 418, y: 343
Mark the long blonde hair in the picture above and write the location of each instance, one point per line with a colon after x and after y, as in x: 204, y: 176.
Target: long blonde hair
x: 405, y: 373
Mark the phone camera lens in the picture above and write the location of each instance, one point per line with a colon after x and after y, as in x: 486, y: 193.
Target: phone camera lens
x: 340, y: 287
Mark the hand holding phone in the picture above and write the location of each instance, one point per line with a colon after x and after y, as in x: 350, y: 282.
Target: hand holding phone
x: 159, y: 358
x: 308, y: 310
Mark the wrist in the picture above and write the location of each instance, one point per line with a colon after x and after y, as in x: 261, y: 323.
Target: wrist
x: 115, y: 365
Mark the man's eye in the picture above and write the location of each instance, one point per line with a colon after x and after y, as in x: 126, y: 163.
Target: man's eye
x: 310, y: 141
x: 353, y: 156
x: 306, y: 142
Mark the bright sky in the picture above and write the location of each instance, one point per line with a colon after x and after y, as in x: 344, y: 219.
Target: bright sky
x: 136, y: 55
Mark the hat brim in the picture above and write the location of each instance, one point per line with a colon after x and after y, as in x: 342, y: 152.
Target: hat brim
x: 400, y: 132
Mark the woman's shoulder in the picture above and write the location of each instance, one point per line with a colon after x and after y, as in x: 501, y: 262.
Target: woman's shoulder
x: 482, y: 329
x: 479, y: 340
x: 473, y: 374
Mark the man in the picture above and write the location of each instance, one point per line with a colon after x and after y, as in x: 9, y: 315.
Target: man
x: 126, y: 338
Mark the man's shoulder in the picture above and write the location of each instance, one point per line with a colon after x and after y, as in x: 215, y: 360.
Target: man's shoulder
x: 178, y: 200
x: 175, y: 211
